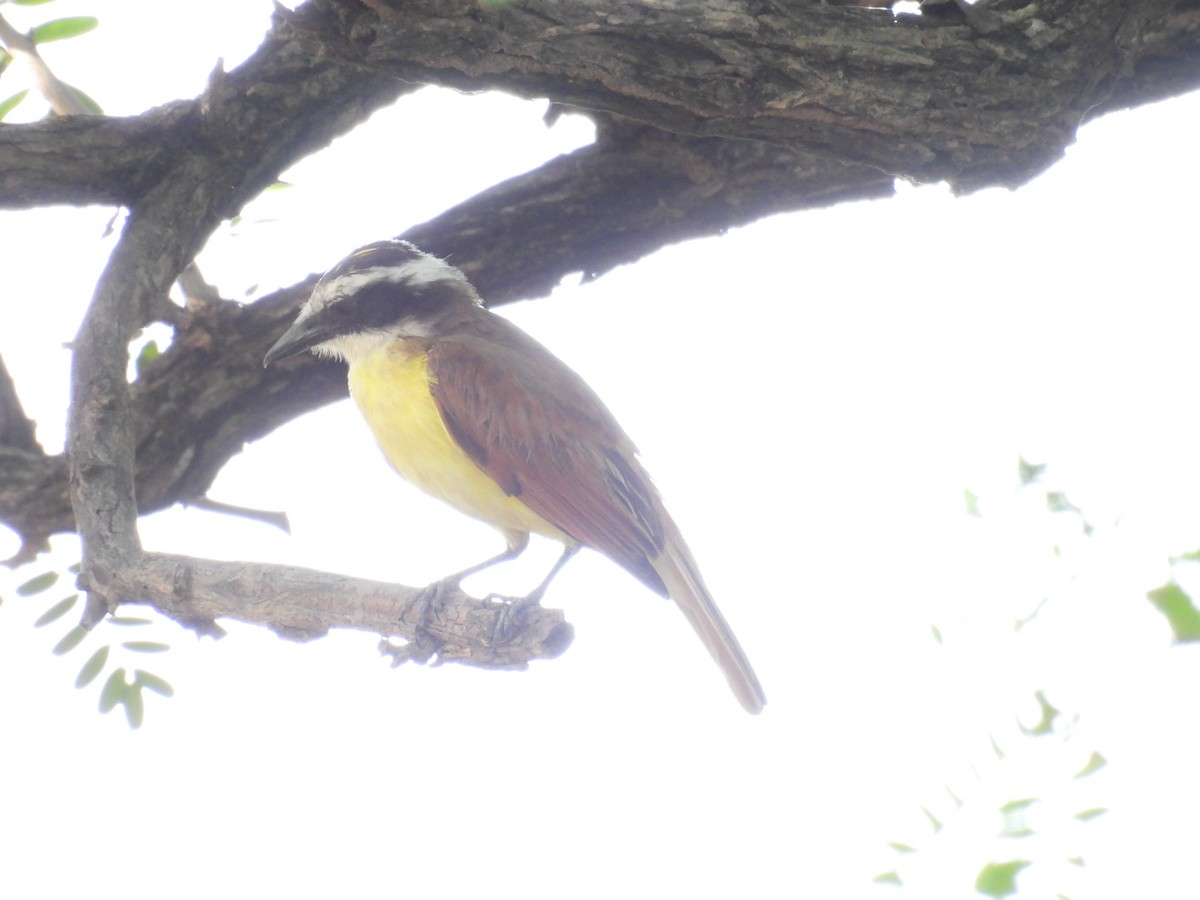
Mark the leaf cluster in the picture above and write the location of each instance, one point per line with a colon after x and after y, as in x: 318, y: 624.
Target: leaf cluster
x: 118, y: 689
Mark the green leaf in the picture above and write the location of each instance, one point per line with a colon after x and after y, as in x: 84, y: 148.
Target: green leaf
x: 1056, y: 501
x: 153, y: 682
x: 999, y: 879
x: 57, y: 611
x: 1173, y: 602
x: 1089, y: 814
x: 1021, y: 623
x: 1029, y: 472
x: 93, y: 667
x: 90, y: 106
x: 1095, y: 762
x: 933, y: 820
x: 1046, y: 724
x: 901, y: 848
x: 11, y: 103
x: 1076, y: 861
x: 146, y: 355
x: 996, y: 747
x: 128, y: 620
x: 146, y: 646
x: 60, y: 29
x: 135, y: 706
x: 972, y: 502
x: 1193, y: 556
x: 37, y: 584
x: 892, y: 877
x: 30, y: 2
x: 1013, y: 806
x: 113, y: 691
x: 937, y: 633
x: 70, y: 640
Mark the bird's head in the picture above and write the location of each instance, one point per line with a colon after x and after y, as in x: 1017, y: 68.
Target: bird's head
x: 380, y: 293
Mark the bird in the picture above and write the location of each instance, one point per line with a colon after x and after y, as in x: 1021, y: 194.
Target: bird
x: 474, y: 411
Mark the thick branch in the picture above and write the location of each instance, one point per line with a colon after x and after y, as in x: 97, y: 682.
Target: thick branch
x: 279, y: 106
x: 930, y: 97
x: 611, y: 203
x: 90, y: 159
x: 636, y: 190
x: 243, y: 138
x: 923, y: 97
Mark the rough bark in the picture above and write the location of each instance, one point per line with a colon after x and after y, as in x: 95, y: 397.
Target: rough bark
x: 711, y: 113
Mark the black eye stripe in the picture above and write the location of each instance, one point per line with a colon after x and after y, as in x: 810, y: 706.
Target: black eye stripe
x: 384, y: 303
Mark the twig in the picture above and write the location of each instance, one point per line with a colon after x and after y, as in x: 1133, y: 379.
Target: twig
x: 16, y: 429
x: 269, y: 517
x: 60, y: 95
x: 195, y: 289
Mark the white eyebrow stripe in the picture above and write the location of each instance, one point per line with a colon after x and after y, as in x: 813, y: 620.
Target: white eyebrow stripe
x: 418, y: 272
x: 426, y: 270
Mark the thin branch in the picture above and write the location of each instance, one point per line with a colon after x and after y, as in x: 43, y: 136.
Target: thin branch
x: 20, y: 454
x: 302, y: 604
x: 17, y: 431
x: 61, y: 97
x: 196, y: 290
x: 275, y: 518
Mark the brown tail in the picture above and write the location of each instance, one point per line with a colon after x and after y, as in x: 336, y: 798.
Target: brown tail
x: 682, y: 577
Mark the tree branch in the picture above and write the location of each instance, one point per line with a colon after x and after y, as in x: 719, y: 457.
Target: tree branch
x: 933, y: 97
x: 207, y: 395
x: 635, y: 190
x: 758, y: 107
x: 19, y: 453
x: 16, y: 430
x: 58, y: 94
x: 302, y: 604
x: 244, y: 145
x: 926, y: 98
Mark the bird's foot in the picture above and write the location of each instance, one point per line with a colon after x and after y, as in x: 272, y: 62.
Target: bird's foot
x: 435, y: 592
x: 510, y: 611
x: 423, y: 645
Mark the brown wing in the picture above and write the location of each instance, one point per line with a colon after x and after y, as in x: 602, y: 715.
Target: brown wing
x: 544, y: 436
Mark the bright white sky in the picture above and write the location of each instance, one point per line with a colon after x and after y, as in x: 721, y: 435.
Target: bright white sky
x: 813, y: 394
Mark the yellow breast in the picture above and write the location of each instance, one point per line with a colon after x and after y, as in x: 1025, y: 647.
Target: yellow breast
x: 390, y: 385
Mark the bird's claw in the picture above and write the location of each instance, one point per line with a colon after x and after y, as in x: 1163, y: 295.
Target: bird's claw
x: 510, y: 608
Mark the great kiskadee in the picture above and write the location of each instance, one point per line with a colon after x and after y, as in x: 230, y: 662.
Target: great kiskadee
x: 472, y: 410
